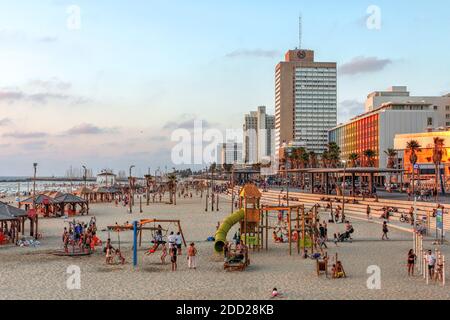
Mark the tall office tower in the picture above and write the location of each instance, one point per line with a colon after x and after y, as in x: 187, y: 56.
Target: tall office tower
x: 305, y: 101
x: 258, y: 136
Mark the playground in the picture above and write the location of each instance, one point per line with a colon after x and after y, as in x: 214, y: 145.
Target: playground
x: 43, y: 275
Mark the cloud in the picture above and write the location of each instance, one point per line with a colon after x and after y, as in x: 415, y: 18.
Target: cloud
x: 89, y: 129
x: 185, y: 124
x: 5, y: 122
x: 364, y: 65
x: 350, y: 108
x: 25, y: 135
x: 13, y: 96
x: 256, y: 53
x: 51, y: 84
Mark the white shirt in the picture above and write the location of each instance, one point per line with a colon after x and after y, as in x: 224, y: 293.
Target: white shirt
x: 431, y: 259
x: 178, y: 239
x: 172, y: 240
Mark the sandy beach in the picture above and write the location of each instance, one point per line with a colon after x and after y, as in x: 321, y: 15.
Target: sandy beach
x: 34, y: 273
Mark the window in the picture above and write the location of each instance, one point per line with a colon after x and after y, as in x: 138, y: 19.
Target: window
x: 430, y: 122
x: 447, y: 108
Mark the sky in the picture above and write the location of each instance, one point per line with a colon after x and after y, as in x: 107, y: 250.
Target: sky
x: 105, y: 83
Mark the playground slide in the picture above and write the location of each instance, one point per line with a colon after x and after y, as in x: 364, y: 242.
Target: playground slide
x: 225, y: 226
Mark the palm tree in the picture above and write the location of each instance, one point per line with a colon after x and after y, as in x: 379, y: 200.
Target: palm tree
x: 370, y: 155
x: 438, y: 152
x: 335, y: 154
x: 304, y: 161
x: 392, y: 155
x: 413, y: 147
x: 353, y: 158
x: 325, y: 159
x: 312, y: 159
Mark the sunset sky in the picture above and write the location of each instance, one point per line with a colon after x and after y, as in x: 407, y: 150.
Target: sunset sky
x: 109, y: 92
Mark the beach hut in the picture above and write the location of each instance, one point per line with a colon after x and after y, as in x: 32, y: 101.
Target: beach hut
x: 84, y: 193
x: 44, y: 205
x: 72, y: 201
x: 15, y: 217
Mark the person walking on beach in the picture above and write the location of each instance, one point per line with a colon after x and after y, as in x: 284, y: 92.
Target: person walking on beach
x: 173, y: 258
x: 385, y: 231
x: 431, y: 261
x: 192, y: 259
x: 411, y: 262
x: 178, y: 242
x: 172, y: 240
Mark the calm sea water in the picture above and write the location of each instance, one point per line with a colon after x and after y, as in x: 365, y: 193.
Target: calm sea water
x: 12, y: 188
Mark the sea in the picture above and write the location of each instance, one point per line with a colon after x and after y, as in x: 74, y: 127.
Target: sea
x: 9, y: 186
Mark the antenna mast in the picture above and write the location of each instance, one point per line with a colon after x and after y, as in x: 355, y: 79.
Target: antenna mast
x: 300, y: 31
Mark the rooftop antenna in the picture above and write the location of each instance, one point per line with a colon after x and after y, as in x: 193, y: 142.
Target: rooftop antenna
x: 300, y: 31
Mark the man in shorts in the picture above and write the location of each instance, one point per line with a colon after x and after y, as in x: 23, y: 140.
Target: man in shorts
x: 178, y: 242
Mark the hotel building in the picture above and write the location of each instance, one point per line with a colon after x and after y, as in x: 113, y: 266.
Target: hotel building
x: 229, y: 153
x: 400, y: 94
x: 258, y: 136
x: 376, y: 129
x: 305, y: 101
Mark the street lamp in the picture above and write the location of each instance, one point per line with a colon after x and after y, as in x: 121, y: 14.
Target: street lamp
x: 131, y: 190
x: 85, y: 176
x: 344, y: 162
x: 35, y: 224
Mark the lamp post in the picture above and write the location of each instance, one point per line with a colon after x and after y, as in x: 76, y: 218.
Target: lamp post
x: 232, y: 188
x: 131, y: 190
x: 85, y: 176
x: 343, y: 187
x: 34, y: 202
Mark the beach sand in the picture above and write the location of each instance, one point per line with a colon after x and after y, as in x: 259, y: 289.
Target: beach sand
x: 33, y: 273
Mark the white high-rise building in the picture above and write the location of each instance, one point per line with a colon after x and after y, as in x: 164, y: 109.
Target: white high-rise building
x: 305, y: 101
x: 258, y: 136
x: 229, y: 153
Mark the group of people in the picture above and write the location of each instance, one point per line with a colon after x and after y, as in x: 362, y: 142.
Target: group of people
x: 435, y: 270
x: 174, y: 249
x: 235, y: 252
x: 81, y: 235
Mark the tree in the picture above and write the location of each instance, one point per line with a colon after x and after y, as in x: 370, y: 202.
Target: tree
x: 413, y: 147
x: 391, y: 163
x: 312, y: 159
x: 334, y: 154
x: 438, y: 152
x: 392, y: 155
x: 353, y: 158
x: 370, y: 155
x: 325, y: 159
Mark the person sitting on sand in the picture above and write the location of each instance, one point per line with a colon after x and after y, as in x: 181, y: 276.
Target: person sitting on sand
x: 275, y: 293
x: 338, y: 270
